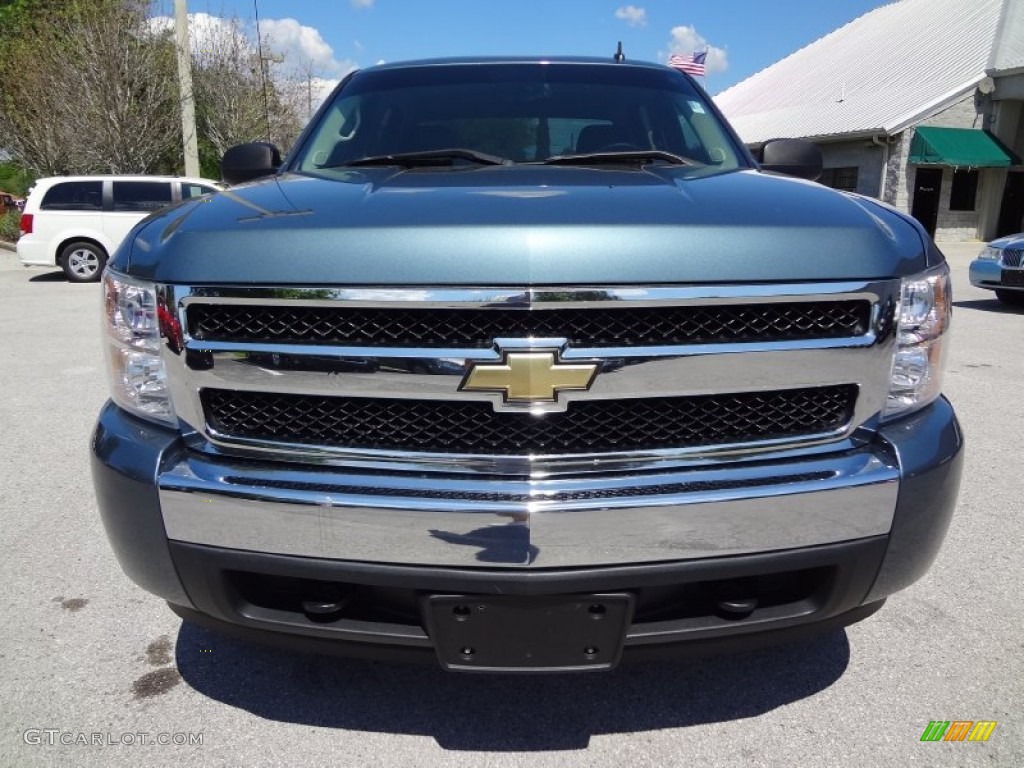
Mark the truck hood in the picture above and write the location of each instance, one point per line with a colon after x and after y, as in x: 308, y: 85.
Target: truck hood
x: 524, y: 225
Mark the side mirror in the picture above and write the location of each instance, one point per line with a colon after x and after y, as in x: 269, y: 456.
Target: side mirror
x: 246, y: 162
x: 793, y: 157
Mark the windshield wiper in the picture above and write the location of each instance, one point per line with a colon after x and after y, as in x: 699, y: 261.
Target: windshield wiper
x: 625, y: 156
x: 429, y: 157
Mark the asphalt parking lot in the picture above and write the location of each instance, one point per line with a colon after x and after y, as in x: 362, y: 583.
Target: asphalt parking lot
x: 83, y: 651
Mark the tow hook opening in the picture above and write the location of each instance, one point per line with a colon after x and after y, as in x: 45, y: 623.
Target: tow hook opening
x: 736, y: 598
x: 704, y: 603
x: 326, y: 601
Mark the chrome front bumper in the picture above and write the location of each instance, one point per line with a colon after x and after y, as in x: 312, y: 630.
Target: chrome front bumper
x: 558, y: 522
x: 675, y: 527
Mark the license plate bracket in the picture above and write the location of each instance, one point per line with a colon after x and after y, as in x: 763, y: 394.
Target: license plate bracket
x: 1014, y: 277
x: 540, y: 633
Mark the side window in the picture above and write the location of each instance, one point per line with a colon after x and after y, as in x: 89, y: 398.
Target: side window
x: 840, y: 178
x: 690, y: 137
x: 703, y: 137
x: 141, y: 196
x: 74, y: 196
x: 338, y: 133
x: 188, y: 191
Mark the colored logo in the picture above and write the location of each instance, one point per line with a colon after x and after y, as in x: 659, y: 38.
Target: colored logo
x: 529, y: 377
x: 958, y: 730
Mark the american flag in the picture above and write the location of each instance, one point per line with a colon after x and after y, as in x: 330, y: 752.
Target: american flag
x: 692, y: 64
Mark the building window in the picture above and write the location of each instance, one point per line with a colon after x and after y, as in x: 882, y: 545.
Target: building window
x: 840, y: 178
x: 964, y: 192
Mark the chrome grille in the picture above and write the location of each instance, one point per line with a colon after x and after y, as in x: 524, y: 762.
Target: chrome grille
x: 592, y: 426
x: 578, y: 494
x: 477, y: 328
x: 372, y: 377
x: 1012, y: 257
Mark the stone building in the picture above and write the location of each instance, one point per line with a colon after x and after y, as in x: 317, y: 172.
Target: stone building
x: 917, y: 103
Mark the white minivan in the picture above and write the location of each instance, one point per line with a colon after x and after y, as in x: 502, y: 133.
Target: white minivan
x: 76, y: 222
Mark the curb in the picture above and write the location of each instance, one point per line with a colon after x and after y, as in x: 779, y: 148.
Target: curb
x: 6, y: 246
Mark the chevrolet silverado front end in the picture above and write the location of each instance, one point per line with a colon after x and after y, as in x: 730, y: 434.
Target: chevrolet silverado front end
x: 525, y: 366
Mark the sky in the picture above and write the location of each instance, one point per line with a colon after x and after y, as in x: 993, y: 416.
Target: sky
x: 335, y: 36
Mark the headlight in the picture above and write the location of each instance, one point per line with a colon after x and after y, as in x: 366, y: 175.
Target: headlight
x: 924, y: 315
x: 131, y: 324
x: 988, y: 253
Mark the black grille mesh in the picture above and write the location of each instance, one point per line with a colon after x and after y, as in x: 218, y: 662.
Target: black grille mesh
x: 600, y: 327
x: 471, y: 427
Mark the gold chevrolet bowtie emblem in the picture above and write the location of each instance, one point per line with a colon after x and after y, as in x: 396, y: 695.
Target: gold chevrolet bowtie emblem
x: 529, y: 377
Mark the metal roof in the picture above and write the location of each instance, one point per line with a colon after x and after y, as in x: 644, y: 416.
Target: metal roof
x: 1008, y: 52
x: 880, y: 73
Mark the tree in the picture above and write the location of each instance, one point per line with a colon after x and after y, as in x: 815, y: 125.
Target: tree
x: 13, y: 15
x: 242, y: 96
x: 227, y: 82
x: 95, y: 89
x: 300, y: 89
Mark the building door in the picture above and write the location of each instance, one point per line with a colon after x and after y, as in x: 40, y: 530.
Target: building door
x: 1012, y: 210
x: 927, y: 185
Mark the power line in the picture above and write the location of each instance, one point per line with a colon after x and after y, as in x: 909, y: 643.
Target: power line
x: 263, y: 66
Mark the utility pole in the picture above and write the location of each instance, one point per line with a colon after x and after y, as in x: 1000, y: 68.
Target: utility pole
x: 188, y: 104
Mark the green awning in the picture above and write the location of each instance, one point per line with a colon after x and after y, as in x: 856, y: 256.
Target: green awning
x: 961, y: 147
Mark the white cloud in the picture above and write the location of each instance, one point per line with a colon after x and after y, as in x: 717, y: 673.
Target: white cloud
x: 635, y: 17
x: 308, y: 60
x: 203, y: 30
x: 686, y: 40
x: 362, y: 3
x: 300, y: 43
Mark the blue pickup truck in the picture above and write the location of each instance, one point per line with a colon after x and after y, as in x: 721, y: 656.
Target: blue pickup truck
x: 526, y: 365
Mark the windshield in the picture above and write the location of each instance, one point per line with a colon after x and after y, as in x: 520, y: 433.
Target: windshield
x: 521, y: 113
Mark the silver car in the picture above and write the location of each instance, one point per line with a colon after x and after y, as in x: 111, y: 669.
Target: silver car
x: 1000, y: 268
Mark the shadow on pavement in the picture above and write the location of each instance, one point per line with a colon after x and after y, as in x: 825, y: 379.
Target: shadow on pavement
x: 990, y: 305
x: 504, y: 713
x: 49, y: 277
